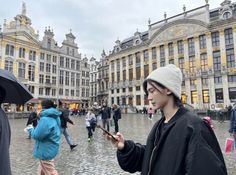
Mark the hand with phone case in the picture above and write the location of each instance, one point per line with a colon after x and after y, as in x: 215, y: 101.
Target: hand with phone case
x: 118, y: 139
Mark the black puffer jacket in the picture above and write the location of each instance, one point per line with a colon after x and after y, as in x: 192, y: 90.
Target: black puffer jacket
x: 185, y: 146
x: 65, y: 118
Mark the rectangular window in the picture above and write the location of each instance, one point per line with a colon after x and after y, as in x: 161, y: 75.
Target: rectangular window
x: 118, y: 76
x: 181, y: 64
x: 21, y: 52
x: 205, y: 96
x: 21, y: 70
x: 215, y: 38
x: 204, y: 62
x: 48, y: 68
x: 138, y: 100
x: 154, y: 53
x: 40, y: 91
x: 146, y: 70
x: 41, y: 67
x: 130, y: 58
x: 118, y: 65
x: 54, y: 59
x: 232, y: 94
x: 54, y: 92
x: 229, y: 36
x: 230, y: 58
x: 31, y: 89
x: 9, y: 65
x: 123, y: 62
x: 9, y: 50
x: 194, y: 97
x: 72, y: 65
x: 170, y: 49
x: 31, y: 72
x: 47, y: 91
x: 216, y: 61
x: 162, y: 51
x: 47, y: 79
x: 42, y: 55
x: 180, y: 47
x: 218, y: 80
x: 124, y: 75
x: 145, y: 55
x: 67, y: 63
x: 60, y: 91
x: 202, y: 41
x: 154, y: 66
x: 137, y: 88
x: 67, y: 79
x: 112, y: 77
x: 61, y: 61
x: 192, y: 64
x: 72, y: 81
x: 61, y: 80
x: 32, y: 55
x: 130, y: 74
x: 77, y: 65
x: 54, y: 80
x: 48, y: 58
x: 138, y: 73
x: 191, y: 46
x: 219, y: 95
x: 41, y: 78
x: 54, y: 69
x: 137, y: 58
x: 231, y: 78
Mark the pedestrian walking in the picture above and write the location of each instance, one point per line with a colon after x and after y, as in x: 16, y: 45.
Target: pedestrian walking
x: 65, y: 112
x: 32, y: 119
x: 232, y: 128
x: 105, y: 115
x: 5, y: 137
x: 150, y: 113
x: 179, y: 143
x: 47, y: 136
x: 116, y: 116
x: 90, y: 121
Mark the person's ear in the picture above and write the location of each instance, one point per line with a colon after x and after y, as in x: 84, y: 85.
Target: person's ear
x: 168, y: 92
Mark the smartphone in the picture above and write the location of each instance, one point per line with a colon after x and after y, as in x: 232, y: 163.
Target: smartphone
x: 107, y: 132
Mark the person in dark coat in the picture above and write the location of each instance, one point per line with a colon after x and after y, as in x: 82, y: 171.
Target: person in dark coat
x: 180, y: 143
x: 106, y: 115
x: 32, y: 120
x: 5, y: 137
x: 64, y: 119
x: 116, y: 116
x: 232, y: 128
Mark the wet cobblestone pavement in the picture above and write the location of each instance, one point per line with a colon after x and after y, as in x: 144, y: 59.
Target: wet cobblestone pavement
x: 97, y: 157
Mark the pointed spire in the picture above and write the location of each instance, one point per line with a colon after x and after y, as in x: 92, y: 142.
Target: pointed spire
x: 23, y: 12
x: 184, y: 8
x: 165, y: 15
x: 149, y: 21
x: 207, y: 1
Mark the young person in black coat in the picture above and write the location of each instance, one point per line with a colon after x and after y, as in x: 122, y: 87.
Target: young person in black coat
x: 116, y: 116
x: 180, y: 143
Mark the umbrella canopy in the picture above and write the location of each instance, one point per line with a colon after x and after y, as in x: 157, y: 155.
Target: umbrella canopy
x: 16, y: 92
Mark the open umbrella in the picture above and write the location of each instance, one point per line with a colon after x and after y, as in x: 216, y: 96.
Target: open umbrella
x: 16, y: 92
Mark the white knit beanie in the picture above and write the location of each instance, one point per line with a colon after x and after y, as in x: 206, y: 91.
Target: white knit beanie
x: 169, y: 76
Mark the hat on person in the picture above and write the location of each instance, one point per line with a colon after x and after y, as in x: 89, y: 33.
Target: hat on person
x: 169, y: 76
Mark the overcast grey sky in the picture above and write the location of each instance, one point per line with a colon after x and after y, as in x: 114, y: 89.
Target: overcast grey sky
x: 96, y: 23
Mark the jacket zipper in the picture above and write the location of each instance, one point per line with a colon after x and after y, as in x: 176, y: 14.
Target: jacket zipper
x: 149, y: 171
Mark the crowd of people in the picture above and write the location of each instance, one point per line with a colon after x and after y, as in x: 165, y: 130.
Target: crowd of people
x: 179, y: 143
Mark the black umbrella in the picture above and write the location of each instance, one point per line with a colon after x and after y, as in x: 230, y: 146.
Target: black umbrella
x: 16, y: 92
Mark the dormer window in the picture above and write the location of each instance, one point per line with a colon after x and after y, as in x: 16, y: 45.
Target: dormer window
x: 137, y: 42
x: 117, y: 49
x: 226, y: 15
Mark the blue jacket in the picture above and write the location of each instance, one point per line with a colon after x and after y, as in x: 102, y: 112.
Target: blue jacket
x: 47, y: 134
x: 233, y: 121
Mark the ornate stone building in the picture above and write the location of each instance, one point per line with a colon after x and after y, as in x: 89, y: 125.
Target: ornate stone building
x: 200, y: 41
x: 48, y: 70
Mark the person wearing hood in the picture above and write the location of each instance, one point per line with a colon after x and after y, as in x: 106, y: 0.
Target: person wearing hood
x: 47, y: 136
x: 179, y: 143
x: 5, y: 137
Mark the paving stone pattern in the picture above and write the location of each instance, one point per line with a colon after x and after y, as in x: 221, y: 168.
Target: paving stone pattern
x: 97, y: 157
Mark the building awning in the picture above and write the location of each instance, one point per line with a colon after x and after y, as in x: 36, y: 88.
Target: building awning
x: 70, y: 101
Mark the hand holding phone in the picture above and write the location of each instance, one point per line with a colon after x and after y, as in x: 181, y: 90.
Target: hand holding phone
x: 107, y: 132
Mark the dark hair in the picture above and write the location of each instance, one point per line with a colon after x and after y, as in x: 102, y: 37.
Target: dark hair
x: 46, y: 104
x: 2, y: 94
x: 177, y: 101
